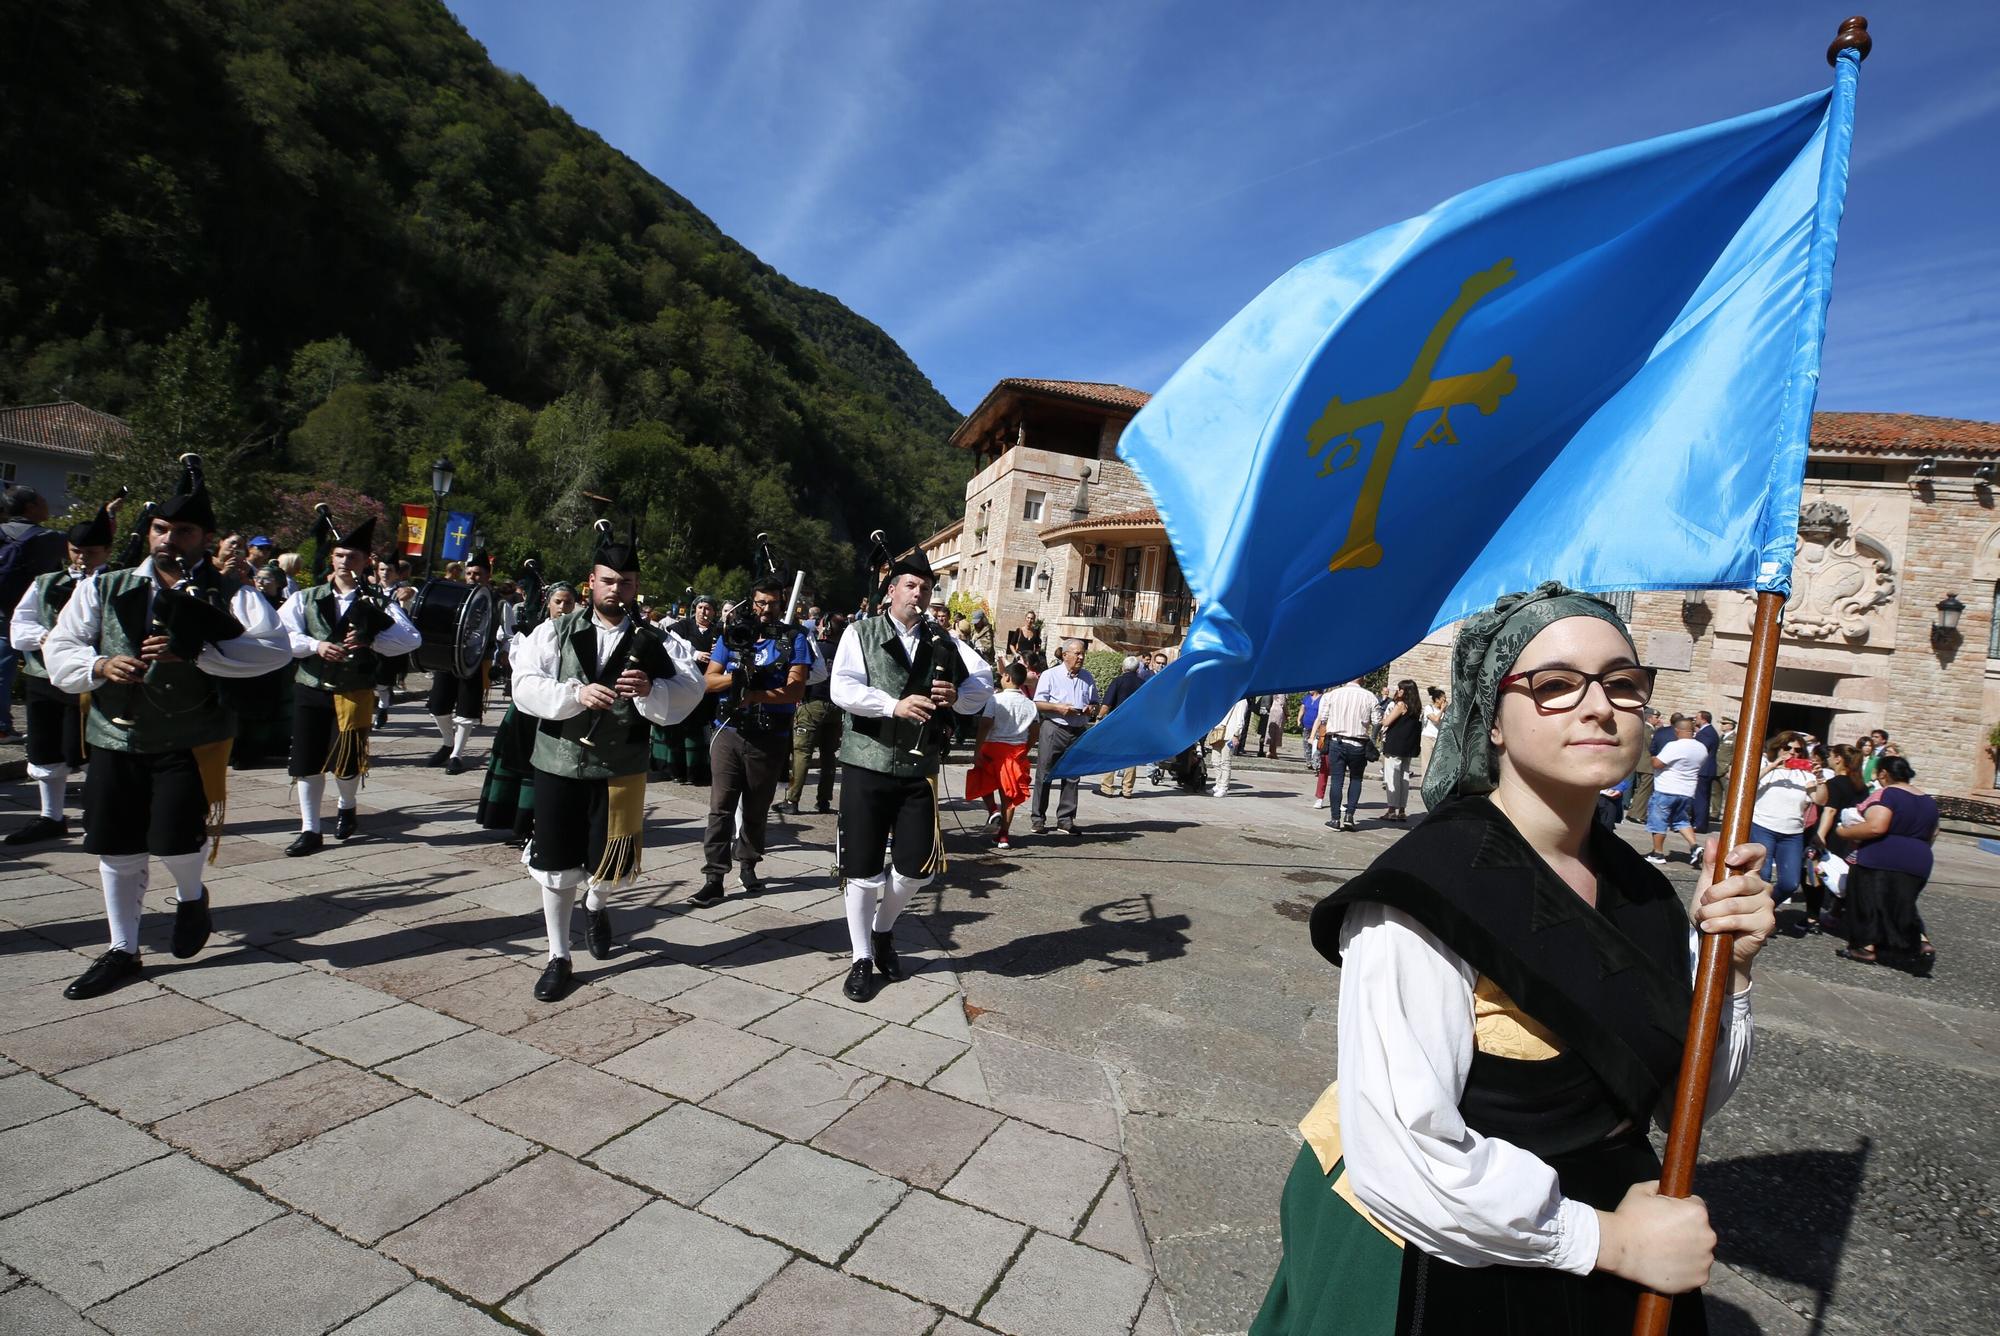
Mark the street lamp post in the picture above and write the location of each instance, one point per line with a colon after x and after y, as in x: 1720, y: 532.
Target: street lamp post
x: 441, y: 473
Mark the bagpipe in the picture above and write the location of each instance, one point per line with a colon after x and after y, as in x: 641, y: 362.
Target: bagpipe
x: 368, y: 615
x: 643, y: 646
x: 191, y: 614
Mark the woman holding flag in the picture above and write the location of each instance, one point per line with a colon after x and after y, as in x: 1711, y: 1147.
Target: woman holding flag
x: 1514, y: 996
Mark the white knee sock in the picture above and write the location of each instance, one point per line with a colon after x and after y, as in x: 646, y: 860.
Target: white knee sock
x: 898, y: 894
x: 384, y: 698
x: 461, y: 733
x: 124, y: 877
x: 185, y: 869
x: 311, y: 789
x: 443, y: 722
x: 861, y: 893
x: 558, y: 899
x: 348, y: 793
x: 50, y: 779
x: 593, y: 896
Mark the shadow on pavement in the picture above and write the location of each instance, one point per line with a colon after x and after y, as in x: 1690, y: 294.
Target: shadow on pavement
x: 1786, y: 1216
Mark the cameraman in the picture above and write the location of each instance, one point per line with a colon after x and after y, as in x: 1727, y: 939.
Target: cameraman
x: 758, y: 670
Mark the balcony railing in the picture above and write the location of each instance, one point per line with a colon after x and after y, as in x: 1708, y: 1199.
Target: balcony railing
x: 1131, y: 605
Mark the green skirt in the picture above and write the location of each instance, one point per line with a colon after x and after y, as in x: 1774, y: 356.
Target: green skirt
x: 507, y: 799
x: 1340, y: 1275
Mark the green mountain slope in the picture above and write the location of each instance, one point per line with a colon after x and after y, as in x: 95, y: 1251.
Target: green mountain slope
x: 404, y: 250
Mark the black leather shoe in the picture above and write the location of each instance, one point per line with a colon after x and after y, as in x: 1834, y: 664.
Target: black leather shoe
x: 440, y: 756
x: 886, y: 963
x: 381, y: 719
x: 454, y: 765
x: 752, y: 883
x: 785, y: 807
x: 597, y: 933
x: 41, y: 828
x: 860, y: 985
x: 346, y: 821
x: 709, y: 894
x: 823, y: 808
x: 107, y: 972
x: 308, y: 842
x: 554, y: 982
x: 191, y: 925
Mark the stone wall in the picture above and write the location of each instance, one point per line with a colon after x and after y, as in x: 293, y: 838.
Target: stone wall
x: 1858, y: 649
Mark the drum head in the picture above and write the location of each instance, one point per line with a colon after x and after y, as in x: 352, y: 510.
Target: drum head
x: 456, y: 622
x: 475, y: 631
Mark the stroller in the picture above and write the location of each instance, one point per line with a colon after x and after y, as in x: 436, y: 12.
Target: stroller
x: 1188, y: 770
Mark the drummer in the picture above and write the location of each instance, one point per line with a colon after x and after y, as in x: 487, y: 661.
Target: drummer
x: 333, y: 704
x: 456, y: 703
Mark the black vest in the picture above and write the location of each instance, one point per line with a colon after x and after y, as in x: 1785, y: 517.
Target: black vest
x: 1611, y: 982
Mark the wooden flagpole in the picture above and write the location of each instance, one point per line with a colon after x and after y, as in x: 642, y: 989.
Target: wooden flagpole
x: 1711, y: 983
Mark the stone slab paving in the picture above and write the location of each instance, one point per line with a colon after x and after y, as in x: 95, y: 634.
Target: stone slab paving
x: 1093, y: 1075
x: 349, y: 1113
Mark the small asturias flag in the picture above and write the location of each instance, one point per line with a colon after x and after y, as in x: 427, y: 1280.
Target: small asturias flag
x: 1600, y: 372
x: 457, y: 544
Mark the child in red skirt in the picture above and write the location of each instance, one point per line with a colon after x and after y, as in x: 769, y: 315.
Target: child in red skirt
x: 1007, y: 735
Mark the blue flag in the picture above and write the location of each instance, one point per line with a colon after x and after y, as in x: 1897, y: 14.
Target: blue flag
x: 1600, y: 372
x: 457, y: 542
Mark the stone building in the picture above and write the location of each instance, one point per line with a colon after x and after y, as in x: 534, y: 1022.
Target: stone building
x: 1056, y: 525
x: 1899, y: 516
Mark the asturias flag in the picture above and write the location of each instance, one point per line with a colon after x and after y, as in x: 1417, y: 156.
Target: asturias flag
x: 1600, y: 372
x: 457, y: 544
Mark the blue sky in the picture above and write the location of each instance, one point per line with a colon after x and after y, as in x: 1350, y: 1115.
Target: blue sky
x: 1087, y: 190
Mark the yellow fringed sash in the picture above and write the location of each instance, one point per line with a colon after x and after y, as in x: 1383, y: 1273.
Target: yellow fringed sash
x: 211, y: 760
x: 624, y: 829
x: 353, y: 716
x: 935, y: 864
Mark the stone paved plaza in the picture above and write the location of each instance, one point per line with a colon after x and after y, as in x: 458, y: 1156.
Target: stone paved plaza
x: 348, y: 1114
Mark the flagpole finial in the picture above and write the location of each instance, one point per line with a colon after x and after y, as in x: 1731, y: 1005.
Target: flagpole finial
x: 1853, y: 34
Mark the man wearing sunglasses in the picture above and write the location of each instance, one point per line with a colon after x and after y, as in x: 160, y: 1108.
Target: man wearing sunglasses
x: 1676, y: 777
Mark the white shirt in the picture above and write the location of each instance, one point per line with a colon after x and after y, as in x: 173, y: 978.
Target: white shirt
x: 1346, y: 711
x: 1406, y: 1040
x: 71, y: 651
x: 400, y: 637
x: 539, y: 692
x: 1681, y: 774
x: 25, y: 631
x: 1013, y: 714
x: 851, y: 692
x: 1782, y: 795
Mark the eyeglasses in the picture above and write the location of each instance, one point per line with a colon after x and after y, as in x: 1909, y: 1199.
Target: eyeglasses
x: 1555, y: 690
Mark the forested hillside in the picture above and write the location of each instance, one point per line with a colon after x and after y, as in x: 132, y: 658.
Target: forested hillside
x: 325, y: 241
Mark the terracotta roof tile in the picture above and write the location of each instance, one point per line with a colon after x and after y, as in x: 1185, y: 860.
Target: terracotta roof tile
x: 65, y: 428
x: 1099, y: 392
x: 1902, y: 434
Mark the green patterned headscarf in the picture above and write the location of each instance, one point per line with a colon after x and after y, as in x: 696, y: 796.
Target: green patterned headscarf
x: 1462, y: 760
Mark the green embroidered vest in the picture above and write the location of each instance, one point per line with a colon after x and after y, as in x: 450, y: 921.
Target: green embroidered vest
x: 54, y: 590
x: 619, y: 738
x: 320, y: 610
x: 178, y: 706
x: 896, y: 746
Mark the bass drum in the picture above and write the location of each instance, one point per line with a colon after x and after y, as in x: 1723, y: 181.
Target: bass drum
x: 457, y: 625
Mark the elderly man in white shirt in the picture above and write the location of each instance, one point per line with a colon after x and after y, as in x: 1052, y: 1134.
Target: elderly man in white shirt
x: 1066, y: 697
